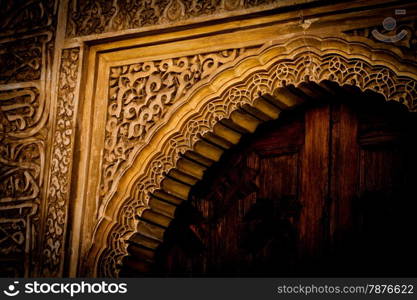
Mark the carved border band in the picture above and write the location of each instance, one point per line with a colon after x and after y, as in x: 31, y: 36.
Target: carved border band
x: 140, y: 96
x: 61, y: 164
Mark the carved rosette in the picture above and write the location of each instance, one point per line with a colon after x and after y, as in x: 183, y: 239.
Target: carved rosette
x: 99, y: 16
x: 265, y: 79
x: 61, y: 162
x: 140, y: 96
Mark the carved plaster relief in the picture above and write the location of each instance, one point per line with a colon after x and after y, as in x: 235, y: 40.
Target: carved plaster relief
x: 22, y: 165
x: 407, y: 43
x: 22, y: 112
x: 21, y: 172
x: 99, y: 16
x: 61, y: 162
x: 26, y: 50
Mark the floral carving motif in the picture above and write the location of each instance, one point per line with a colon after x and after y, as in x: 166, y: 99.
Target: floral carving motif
x: 140, y: 95
x: 60, y: 178
x: 21, y: 60
x: 263, y: 80
x: 98, y: 16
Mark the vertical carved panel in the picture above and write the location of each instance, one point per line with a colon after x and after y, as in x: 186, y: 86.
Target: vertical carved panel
x: 26, y: 50
x: 404, y: 36
x: 22, y: 163
x: 60, y: 177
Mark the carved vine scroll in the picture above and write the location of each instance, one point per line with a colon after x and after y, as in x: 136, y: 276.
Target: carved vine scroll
x: 21, y: 172
x: 26, y: 50
x: 140, y: 95
x: 313, y: 62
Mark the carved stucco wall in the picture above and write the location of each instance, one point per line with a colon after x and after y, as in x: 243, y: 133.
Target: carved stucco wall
x: 60, y: 164
x: 41, y: 94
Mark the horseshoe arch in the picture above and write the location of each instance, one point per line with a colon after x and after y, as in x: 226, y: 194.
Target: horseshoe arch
x: 214, y: 117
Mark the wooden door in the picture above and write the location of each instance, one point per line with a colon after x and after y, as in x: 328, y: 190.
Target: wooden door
x: 325, y: 190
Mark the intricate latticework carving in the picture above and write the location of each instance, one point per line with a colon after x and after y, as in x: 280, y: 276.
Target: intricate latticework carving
x: 21, y: 60
x: 281, y: 70
x: 98, y: 16
x: 141, y: 94
x: 60, y: 178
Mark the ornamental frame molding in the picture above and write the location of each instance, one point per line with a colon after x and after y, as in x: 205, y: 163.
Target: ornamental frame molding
x: 271, y: 68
